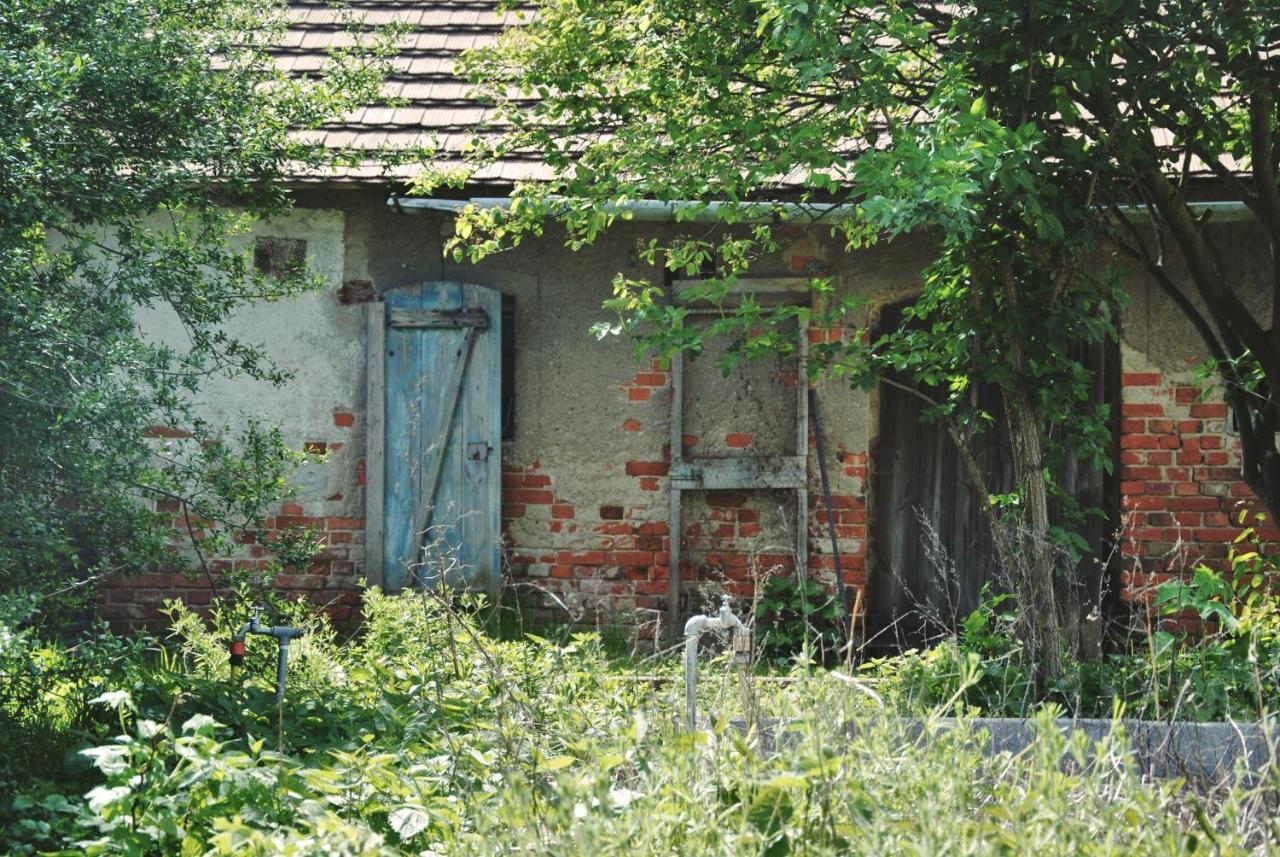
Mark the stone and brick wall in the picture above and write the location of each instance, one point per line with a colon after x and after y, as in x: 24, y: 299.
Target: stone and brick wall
x: 331, y: 580
x: 1181, y: 491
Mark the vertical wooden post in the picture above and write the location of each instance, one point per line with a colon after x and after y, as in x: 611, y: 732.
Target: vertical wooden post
x: 802, y: 448
x: 673, y: 534
x: 374, y: 440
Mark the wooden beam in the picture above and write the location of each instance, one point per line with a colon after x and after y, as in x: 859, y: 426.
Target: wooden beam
x: 375, y: 440
x: 674, y: 526
x: 738, y: 473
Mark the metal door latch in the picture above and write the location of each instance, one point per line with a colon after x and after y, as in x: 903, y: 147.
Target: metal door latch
x: 742, y: 648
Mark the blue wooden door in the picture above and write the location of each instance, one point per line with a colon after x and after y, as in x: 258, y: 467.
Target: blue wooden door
x: 442, y: 461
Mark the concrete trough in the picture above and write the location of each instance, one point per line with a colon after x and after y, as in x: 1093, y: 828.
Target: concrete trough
x: 1200, y: 752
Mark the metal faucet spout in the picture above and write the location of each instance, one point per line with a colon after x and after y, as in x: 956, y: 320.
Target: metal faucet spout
x: 693, y: 628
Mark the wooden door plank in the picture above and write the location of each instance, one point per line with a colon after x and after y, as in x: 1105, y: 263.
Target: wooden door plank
x: 374, y: 439
x: 481, y: 462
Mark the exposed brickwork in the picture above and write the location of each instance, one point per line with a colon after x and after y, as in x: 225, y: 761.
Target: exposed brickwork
x: 330, y: 580
x: 607, y: 552
x: 1181, y: 491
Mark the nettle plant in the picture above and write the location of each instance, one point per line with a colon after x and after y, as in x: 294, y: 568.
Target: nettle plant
x: 796, y: 615
x: 1231, y: 664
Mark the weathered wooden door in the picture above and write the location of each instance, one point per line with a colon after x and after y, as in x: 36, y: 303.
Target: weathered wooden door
x: 441, y: 415
x: 932, y: 550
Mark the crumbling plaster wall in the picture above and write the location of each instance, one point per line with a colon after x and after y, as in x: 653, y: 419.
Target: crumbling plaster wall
x: 585, y: 491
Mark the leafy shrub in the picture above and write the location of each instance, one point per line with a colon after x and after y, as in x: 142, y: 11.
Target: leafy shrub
x: 423, y: 735
x: 794, y: 612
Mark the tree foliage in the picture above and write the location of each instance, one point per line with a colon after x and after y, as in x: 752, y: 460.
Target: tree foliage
x: 137, y: 138
x: 1019, y: 135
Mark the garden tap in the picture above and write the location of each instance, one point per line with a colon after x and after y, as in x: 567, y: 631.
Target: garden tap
x: 726, y: 618
x: 284, y: 634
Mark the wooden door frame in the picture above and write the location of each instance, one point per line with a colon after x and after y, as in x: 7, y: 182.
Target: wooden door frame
x: 376, y: 323
x: 375, y: 406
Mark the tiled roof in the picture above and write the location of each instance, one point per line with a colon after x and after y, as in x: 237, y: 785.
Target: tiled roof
x: 432, y: 103
x: 432, y: 106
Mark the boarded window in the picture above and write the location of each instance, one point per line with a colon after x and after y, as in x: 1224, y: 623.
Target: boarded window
x: 279, y: 257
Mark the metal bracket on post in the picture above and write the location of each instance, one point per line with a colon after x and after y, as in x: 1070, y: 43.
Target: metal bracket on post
x: 738, y: 472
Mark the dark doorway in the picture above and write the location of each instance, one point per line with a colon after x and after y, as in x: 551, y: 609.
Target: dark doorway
x: 932, y: 550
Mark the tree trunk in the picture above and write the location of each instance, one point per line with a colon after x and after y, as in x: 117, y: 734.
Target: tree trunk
x: 1029, y: 552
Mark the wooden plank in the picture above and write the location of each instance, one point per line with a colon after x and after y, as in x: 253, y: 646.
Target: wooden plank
x: 784, y: 286
x: 406, y: 409
x: 444, y: 439
x: 439, y: 319
x: 738, y: 473
x: 480, y: 424
x: 802, y: 444
x: 442, y: 554
x: 375, y: 404
x: 674, y: 527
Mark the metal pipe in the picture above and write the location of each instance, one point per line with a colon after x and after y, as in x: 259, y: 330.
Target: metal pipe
x: 694, y: 211
x: 692, y: 630
x: 283, y: 634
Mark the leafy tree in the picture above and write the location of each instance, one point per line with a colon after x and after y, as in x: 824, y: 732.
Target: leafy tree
x: 137, y: 137
x: 1012, y: 132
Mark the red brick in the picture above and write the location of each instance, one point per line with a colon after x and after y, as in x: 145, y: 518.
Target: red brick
x: 1203, y: 504
x: 1186, y: 489
x: 1209, y: 411
x: 1138, y: 409
x: 631, y: 425
x: 1140, y: 379
x: 1141, y: 503
x: 345, y: 523
x: 513, y: 510
x: 583, y: 558
x: 1160, y: 426
x: 1133, y: 488
x: 562, y: 511
x: 649, y: 483
x: 536, y: 480
x: 1216, y: 534
x: 738, y: 440
x: 639, y: 394
x: 611, y: 513
x: 166, y: 432
x: 651, y: 379
x: 647, y: 468
x: 1189, y: 426
x: 530, y: 497
x: 1139, y: 473
x: 1138, y: 441
x: 644, y: 558
x: 344, y: 419
x: 1210, y: 441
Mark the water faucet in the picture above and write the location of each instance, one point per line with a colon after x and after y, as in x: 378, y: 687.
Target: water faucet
x: 284, y: 634
x: 725, y: 619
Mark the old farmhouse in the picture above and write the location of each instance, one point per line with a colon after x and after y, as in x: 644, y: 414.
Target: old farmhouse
x: 472, y: 403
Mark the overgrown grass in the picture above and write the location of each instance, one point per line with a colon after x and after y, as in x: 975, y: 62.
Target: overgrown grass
x: 425, y: 735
